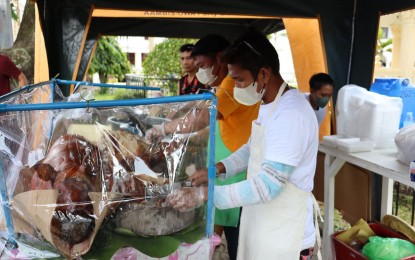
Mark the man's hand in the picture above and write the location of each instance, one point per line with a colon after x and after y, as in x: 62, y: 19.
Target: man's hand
x: 187, y: 199
x: 200, y: 177
x: 22, y: 80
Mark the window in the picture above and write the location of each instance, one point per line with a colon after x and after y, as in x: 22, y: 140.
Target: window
x: 143, y: 56
x: 131, y: 57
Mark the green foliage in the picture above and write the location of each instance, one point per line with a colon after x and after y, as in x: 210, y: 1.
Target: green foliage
x: 15, y: 16
x: 119, y: 94
x: 404, y: 206
x: 339, y: 223
x: 109, y: 60
x: 109, y: 240
x: 382, y: 45
x: 129, y: 94
x: 164, y: 61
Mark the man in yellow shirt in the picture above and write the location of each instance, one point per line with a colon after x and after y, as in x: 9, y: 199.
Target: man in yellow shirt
x: 234, y: 121
x: 231, y: 114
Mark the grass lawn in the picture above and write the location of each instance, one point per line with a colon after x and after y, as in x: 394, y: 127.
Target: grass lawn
x: 404, y: 212
x: 104, y: 96
x: 118, y: 94
x: 404, y: 207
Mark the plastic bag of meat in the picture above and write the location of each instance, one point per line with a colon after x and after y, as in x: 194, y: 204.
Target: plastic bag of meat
x: 73, y: 174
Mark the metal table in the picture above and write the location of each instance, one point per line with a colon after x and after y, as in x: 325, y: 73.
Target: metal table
x: 383, y: 162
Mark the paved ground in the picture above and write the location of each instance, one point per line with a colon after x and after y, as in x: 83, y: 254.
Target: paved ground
x: 221, y: 252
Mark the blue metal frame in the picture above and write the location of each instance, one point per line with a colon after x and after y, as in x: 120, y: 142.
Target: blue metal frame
x: 54, y: 82
x: 92, y: 84
x: 112, y: 103
x: 211, y: 167
x: 28, y: 88
x: 6, y: 207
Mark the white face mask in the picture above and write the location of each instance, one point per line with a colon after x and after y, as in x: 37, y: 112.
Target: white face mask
x: 205, y: 76
x: 248, y: 96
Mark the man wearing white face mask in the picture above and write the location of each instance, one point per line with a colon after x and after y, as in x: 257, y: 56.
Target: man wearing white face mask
x: 280, y: 156
x: 233, y: 125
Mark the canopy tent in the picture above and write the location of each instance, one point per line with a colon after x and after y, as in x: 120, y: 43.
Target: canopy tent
x: 168, y: 27
x: 349, y: 28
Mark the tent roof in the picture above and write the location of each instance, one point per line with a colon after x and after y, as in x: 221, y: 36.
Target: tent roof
x: 286, y: 8
x: 179, y: 27
x: 349, y: 28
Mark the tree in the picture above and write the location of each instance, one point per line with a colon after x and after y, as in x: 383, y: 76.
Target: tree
x: 23, y: 51
x: 383, y: 45
x: 109, y: 60
x: 14, y: 11
x: 164, y: 62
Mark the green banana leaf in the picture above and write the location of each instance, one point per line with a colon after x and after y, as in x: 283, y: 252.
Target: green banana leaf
x: 109, y: 240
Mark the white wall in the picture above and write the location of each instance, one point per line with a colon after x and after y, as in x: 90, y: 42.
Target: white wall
x: 138, y: 45
x: 282, y: 45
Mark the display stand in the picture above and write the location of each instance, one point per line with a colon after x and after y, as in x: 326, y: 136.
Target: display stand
x: 50, y: 105
x: 383, y: 162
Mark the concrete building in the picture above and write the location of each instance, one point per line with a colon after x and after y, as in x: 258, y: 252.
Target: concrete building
x: 402, y: 31
x: 137, y: 49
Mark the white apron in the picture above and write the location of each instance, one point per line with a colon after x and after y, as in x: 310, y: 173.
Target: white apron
x: 273, y: 230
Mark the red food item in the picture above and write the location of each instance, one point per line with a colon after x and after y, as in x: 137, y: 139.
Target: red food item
x: 73, y: 156
x: 74, y: 167
x: 24, y: 182
x: 129, y: 185
x: 126, y: 147
x: 45, y: 172
x: 38, y: 184
x: 73, y: 219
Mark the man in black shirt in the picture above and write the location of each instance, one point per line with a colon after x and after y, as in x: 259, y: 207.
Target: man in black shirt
x: 188, y: 84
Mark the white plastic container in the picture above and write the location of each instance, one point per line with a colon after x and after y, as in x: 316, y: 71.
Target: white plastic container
x: 355, y: 146
x: 347, y: 105
x: 330, y: 140
x: 352, y: 140
x: 379, y: 120
x: 368, y: 115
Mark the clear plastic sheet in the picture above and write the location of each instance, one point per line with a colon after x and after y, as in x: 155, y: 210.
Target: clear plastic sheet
x: 86, y: 182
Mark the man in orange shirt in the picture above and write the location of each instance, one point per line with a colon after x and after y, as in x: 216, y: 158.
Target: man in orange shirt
x: 234, y: 121
x: 231, y: 114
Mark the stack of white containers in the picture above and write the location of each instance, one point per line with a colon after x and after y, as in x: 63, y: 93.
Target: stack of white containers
x: 369, y: 116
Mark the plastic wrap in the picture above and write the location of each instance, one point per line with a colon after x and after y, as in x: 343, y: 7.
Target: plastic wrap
x: 86, y: 182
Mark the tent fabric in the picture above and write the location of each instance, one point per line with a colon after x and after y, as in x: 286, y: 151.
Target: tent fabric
x: 180, y: 27
x: 86, y: 56
x: 63, y: 27
x: 349, y: 28
x: 190, y: 28
x: 308, y: 57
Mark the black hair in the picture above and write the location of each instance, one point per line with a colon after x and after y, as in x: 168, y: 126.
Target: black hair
x: 317, y: 81
x: 210, y: 45
x: 186, y: 47
x: 252, y: 51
